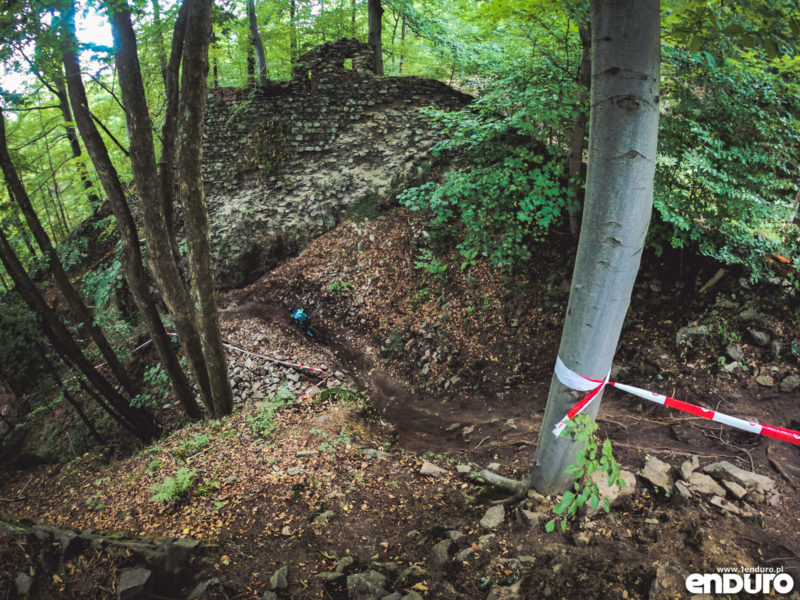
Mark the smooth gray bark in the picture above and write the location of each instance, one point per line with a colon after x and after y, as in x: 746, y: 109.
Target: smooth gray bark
x: 255, y: 40
x: 619, y: 197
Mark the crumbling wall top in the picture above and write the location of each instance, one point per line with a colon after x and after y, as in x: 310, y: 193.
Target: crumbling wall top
x: 329, y: 60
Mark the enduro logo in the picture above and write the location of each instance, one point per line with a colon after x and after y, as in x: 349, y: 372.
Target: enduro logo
x: 751, y: 580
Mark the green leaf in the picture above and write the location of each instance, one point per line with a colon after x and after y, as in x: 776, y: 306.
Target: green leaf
x: 695, y: 44
x: 771, y: 48
x: 733, y: 29
x: 606, y: 505
x: 594, y: 501
x: 550, y: 526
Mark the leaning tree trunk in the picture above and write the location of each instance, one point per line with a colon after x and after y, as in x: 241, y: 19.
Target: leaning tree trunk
x: 135, y: 273
x: 579, y: 132
x: 192, y: 195
x: 255, y: 40
x: 619, y: 195
x: 134, y: 420
x: 82, y: 313
x: 375, y: 16
x: 160, y: 255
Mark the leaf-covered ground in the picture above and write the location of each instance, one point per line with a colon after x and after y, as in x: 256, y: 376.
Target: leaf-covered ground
x: 449, y: 368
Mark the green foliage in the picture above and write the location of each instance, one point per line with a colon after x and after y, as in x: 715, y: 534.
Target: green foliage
x: 263, y: 422
x: 591, y: 458
x: 511, y: 190
x: 190, y: 447
x: 350, y: 398
x: 428, y: 263
x: 340, y: 286
x: 20, y: 336
x: 173, y: 489
x: 330, y: 443
x: 729, y: 148
x: 156, y: 388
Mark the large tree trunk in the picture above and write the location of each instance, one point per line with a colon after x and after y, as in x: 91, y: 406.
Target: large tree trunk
x: 134, y: 420
x: 160, y: 255
x: 255, y: 40
x: 375, y: 16
x: 619, y: 195
x: 135, y: 273
x: 192, y: 195
x: 579, y: 132
x: 82, y: 313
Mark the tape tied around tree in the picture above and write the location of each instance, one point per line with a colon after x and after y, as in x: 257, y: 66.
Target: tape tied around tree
x: 578, y: 382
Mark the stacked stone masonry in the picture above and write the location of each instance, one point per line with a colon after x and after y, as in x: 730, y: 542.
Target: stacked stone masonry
x: 283, y: 162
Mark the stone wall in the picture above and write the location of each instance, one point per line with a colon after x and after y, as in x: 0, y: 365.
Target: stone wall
x: 284, y: 162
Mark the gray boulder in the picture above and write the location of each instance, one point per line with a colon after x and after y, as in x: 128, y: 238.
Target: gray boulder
x: 725, y: 471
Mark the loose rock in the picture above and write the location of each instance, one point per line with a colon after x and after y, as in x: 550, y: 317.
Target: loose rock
x: 493, y: 517
x: 132, y: 584
x: 725, y: 471
x: 431, y: 470
x: 658, y: 473
x: 280, y: 578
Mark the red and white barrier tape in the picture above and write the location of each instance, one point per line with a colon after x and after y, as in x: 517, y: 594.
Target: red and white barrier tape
x: 313, y: 387
x: 575, y: 381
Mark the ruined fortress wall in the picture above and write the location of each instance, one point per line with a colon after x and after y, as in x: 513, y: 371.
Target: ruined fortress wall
x: 283, y: 162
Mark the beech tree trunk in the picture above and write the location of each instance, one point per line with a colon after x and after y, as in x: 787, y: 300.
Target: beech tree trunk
x: 255, y: 40
x: 135, y: 274
x: 579, y: 132
x: 619, y: 194
x: 82, y: 313
x: 375, y: 17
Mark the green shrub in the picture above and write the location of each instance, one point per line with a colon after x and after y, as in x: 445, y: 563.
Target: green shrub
x: 729, y: 146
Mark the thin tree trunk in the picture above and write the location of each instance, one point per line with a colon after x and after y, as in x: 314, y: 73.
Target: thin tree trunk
x: 166, y: 164
x: 61, y: 225
x: 353, y: 18
x: 579, y: 132
x: 402, y: 45
x: 251, y: 66
x: 164, y: 268
x: 135, y: 273
x: 82, y: 313
x: 375, y: 15
x: 255, y: 41
x: 397, y: 18
x: 135, y: 421
x: 68, y: 397
x: 63, y: 103
x: 619, y: 196
x: 192, y: 194
x: 25, y: 234
x: 293, y: 31
x: 162, y: 54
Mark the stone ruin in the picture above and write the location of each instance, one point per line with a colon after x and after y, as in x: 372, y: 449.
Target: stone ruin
x: 286, y: 161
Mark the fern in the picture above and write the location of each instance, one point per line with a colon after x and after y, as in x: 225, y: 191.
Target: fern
x: 174, y: 488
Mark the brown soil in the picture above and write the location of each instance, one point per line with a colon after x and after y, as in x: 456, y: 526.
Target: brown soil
x: 457, y: 367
